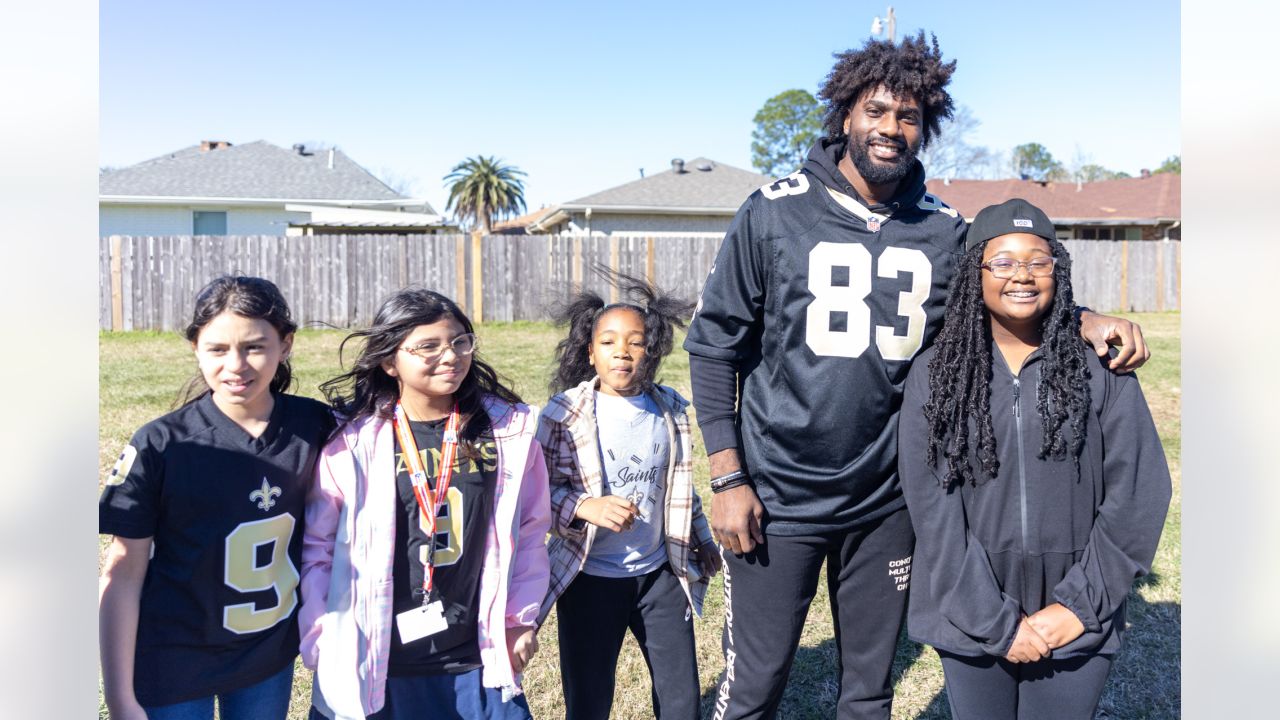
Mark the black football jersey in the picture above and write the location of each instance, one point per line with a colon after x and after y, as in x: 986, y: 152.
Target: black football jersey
x: 459, y: 540
x: 225, y: 511
x: 821, y: 304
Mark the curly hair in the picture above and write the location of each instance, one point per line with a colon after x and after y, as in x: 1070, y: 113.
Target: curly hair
x: 960, y: 375
x: 912, y: 68
x: 661, y: 313
x: 367, y: 390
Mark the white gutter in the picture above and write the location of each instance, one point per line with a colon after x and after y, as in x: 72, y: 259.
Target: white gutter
x: 208, y: 200
x: 653, y: 209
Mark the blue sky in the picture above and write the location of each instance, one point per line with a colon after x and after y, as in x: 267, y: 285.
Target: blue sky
x: 583, y: 95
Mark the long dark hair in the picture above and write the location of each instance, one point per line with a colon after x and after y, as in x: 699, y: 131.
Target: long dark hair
x: 660, y: 311
x: 251, y: 297
x: 960, y: 375
x: 367, y: 390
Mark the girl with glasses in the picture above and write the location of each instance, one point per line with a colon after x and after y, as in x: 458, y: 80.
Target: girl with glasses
x: 424, y: 564
x: 631, y: 547
x: 198, y: 595
x: 1035, y: 481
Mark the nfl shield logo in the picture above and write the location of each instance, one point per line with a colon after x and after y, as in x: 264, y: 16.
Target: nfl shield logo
x: 873, y: 224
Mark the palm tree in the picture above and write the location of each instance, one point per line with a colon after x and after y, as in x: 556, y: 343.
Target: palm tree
x: 481, y: 188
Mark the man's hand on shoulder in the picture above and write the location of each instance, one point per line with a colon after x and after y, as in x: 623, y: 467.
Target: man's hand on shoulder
x: 1101, y: 331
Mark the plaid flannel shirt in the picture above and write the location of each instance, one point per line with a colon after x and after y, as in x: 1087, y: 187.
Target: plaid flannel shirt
x: 567, y: 433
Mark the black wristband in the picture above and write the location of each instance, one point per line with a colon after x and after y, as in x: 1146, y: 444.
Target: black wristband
x: 729, y: 480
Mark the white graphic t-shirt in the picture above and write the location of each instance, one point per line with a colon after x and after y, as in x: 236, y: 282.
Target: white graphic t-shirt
x: 634, y: 451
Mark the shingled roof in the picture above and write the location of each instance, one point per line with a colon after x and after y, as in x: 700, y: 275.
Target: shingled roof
x: 1128, y: 200
x: 701, y: 184
x: 255, y: 170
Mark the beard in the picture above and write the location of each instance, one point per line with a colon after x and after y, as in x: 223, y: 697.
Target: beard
x: 879, y: 172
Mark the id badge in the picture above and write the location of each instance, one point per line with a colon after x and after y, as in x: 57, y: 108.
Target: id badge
x: 421, y: 622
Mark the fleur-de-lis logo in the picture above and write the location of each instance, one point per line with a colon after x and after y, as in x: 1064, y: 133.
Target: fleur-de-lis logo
x: 265, y: 494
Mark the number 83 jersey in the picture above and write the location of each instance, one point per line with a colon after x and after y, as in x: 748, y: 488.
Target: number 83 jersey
x: 224, y: 511
x: 821, y: 303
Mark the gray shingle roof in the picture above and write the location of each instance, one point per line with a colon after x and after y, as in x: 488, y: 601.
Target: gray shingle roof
x: 252, y: 170
x: 719, y: 186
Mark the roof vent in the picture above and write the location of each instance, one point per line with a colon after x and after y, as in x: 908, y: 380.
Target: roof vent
x: 302, y: 150
x: 677, y: 165
x: 706, y: 165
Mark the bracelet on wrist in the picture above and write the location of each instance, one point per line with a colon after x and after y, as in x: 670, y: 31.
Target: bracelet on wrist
x: 729, y: 480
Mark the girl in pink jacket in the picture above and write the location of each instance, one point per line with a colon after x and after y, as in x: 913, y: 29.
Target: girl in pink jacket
x: 423, y: 564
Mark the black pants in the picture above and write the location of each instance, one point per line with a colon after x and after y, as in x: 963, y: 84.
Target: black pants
x: 991, y: 688
x: 593, y: 616
x: 767, y: 595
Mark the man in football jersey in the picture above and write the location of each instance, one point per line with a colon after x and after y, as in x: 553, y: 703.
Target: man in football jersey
x: 828, y: 283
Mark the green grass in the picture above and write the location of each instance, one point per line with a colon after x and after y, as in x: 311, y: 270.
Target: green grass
x: 142, y: 372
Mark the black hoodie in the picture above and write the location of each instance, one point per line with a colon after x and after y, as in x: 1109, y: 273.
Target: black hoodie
x: 1041, y: 531
x: 817, y: 303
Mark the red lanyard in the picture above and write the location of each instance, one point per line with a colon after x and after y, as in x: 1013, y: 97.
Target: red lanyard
x: 429, y: 503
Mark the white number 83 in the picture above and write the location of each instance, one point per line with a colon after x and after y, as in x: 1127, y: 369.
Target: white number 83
x: 850, y: 300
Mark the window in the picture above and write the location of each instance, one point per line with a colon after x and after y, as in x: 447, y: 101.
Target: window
x: 1133, y: 233
x: 1095, y: 233
x: 208, y: 223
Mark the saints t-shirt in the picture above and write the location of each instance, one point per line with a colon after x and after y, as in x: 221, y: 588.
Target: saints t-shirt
x: 634, y: 448
x: 461, y: 528
x: 224, y: 511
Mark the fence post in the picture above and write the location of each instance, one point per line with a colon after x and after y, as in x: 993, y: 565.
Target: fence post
x: 460, y: 267
x: 477, y: 288
x: 577, y: 263
x: 1160, y: 277
x: 613, y: 266
x: 648, y: 260
x: 1124, y: 276
x: 117, y: 292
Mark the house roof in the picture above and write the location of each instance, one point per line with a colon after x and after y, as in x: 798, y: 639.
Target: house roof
x: 523, y: 221
x: 1146, y: 200
x: 255, y: 170
x: 703, y: 185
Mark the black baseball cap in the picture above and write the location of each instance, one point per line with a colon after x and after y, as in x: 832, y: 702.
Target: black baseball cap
x: 1011, y: 216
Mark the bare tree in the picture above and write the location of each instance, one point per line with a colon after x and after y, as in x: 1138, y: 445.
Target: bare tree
x: 950, y: 154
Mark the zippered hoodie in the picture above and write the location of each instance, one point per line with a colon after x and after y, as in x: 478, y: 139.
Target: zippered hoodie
x: 348, y: 552
x: 1040, y: 532
x: 567, y: 430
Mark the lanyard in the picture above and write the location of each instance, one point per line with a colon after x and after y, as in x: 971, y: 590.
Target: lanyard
x: 428, y: 502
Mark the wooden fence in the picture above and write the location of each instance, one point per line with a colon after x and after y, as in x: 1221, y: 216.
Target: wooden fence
x: 148, y: 283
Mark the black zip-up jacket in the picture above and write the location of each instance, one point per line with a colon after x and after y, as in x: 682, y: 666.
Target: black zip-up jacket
x: 1039, y: 532
x: 811, y: 316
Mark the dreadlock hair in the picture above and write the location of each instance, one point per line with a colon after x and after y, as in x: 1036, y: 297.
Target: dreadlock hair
x: 250, y: 297
x: 660, y: 311
x: 367, y: 390
x: 912, y: 68
x: 960, y: 375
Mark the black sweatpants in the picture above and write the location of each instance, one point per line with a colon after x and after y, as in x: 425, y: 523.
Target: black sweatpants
x: 593, y: 616
x: 991, y: 688
x: 767, y: 595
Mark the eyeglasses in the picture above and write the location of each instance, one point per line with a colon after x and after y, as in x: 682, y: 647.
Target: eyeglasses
x: 463, y: 345
x: 1005, y: 268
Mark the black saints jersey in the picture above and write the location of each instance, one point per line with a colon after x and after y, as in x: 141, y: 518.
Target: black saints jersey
x: 821, y: 303
x: 459, y: 539
x: 225, y: 513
